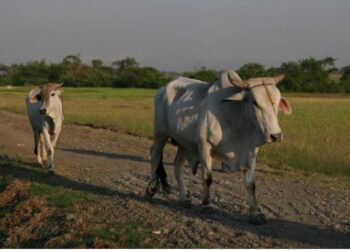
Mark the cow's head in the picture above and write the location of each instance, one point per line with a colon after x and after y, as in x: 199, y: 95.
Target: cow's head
x: 48, y: 95
x: 264, y: 98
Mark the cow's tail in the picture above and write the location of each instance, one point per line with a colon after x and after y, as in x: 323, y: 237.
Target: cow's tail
x: 162, y: 176
x: 157, y: 179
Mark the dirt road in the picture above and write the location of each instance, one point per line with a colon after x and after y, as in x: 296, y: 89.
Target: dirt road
x: 115, y: 167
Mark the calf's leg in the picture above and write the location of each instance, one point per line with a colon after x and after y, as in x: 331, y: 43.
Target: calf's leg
x: 42, y: 148
x: 37, y: 147
x: 55, y: 138
x: 50, y: 149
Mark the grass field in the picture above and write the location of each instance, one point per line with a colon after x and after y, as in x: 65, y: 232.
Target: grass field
x: 317, y: 134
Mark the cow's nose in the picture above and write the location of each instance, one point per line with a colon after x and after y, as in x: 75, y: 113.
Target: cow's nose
x: 43, y: 111
x: 276, y: 137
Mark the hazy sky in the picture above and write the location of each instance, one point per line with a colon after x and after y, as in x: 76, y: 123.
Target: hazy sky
x: 176, y: 34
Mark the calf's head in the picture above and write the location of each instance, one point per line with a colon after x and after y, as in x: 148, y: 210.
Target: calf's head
x: 264, y: 101
x: 48, y: 95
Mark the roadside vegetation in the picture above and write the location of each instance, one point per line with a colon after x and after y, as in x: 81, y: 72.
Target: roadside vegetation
x: 305, y: 75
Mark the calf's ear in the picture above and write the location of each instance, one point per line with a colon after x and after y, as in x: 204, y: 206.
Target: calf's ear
x: 284, y: 106
x: 59, y: 85
x: 236, y: 97
x: 34, y: 95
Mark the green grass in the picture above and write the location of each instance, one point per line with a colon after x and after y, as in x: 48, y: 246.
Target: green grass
x: 128, y: 235
x: 56, y: 196
x: 59, y: 197
x: 317, y: 134
x: 126, y: 110
x: 5, y: 181
x: 316, y: 137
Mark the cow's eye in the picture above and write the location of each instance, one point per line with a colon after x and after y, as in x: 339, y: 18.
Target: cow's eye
x: 53, y: 94
x: 255, y: 103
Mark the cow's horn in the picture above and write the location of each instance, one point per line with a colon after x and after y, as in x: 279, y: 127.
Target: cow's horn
x: 234, y: 78
x: 278, y: 78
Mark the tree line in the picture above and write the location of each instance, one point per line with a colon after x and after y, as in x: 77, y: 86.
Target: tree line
x: 305, y: 75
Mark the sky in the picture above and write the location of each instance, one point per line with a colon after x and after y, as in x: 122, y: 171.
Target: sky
x: 175, y: 35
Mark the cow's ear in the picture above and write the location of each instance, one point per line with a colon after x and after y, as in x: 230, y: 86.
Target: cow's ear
x: 284, y: 106
x: 34, y: 95
x: 236, y: 97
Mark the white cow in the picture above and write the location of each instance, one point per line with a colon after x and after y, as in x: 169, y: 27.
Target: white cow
x: 44, y: 109
x: 228, y: 119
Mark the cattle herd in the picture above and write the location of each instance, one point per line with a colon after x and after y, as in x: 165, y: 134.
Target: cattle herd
x: 228, y: 120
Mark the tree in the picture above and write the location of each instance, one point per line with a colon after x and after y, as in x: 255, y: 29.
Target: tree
x: 305, y: 75
x: 308, y: 75
x: 136, y: 77
x: 128, y: 62
x: 55, y: 71
x: 328, y: 63
x: 204, y: 74
x: 345, y: 79
x: 97, y: 63
x: 3, y: 68
x: 346, y: 73
x: 72, y: 59
x: 293, y: 76
x: 250, y: 70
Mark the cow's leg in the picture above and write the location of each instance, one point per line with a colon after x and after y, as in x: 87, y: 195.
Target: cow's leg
x: 50, y: 149
x: 178, y: 170
x: 158, y: 172
x: 194, y: 167
x: 255, y: 215
x: 207, y: 176
x: 37, y: 147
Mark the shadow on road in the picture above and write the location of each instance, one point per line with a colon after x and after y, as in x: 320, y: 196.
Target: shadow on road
x: 275, y: 228
x: 104, y: 154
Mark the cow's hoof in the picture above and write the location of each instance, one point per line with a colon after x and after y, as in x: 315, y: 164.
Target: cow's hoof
x: 150, y: 192
x: 152, y: 189
x: 187, y: 203
x: 257, y: 219
x: 166, y: 189
x: 51, y: 171
x: 194, y: 170
x: 148, y: 195
x: 208, y: 209
x: 37, y: 165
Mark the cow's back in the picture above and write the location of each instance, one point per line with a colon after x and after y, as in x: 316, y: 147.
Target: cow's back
x: 177, y: 108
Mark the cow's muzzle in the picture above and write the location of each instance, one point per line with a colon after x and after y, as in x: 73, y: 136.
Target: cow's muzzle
x: 43, y: 111
x: 276, y: 137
